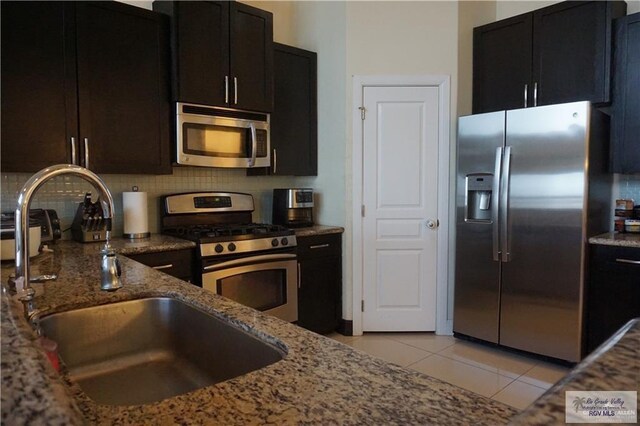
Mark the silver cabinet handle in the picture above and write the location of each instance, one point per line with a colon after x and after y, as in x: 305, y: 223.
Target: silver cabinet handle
x: 226, y: 89
x: 86, y: 153
x: 235, y: 90
x: 299, y: 276
x: 505, y: 241
x: 254, y: 144
x: 74, y: 151
x: 535, y: 94
x: 526, y: 94
x: 495, y: 203
x: 275, y: 161
x: 161, y: 267
x: 633, y: 262
x: 319, y: 246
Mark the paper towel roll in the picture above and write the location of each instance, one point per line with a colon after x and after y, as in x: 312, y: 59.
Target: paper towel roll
x: 136, y: 220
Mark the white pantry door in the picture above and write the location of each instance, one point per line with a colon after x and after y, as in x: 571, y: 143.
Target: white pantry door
x: 400, y: 198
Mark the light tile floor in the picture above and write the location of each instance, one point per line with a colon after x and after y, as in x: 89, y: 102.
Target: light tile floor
x: 509, y: 378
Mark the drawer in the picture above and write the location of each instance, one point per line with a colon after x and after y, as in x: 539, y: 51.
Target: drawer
x: 176, y: 263
x: 615, y: 258
x: 320, y: 245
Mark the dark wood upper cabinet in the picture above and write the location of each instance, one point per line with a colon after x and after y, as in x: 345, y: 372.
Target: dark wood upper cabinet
x: 222, y: 53
x: 294, y: 121
x: 39, y: 98
x: 569, y: 48
x: 123, y: 86
x: 85, y: 83
x: 502, y: 64
x: 625, y: 106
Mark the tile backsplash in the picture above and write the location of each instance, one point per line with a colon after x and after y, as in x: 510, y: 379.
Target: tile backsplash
x: 626, y: 186
x: 64, y: 193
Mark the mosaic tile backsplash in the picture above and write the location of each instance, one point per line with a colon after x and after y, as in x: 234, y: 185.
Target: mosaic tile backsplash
x: 64, y: 193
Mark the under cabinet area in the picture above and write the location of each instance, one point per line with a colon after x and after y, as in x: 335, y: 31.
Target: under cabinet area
x: 613, y: 294
x: 177, y: 263
x: 320, y: 275
x: 560, y: 53
x: 625, y: 105
x: 72, y: 90
x: 222, y: 53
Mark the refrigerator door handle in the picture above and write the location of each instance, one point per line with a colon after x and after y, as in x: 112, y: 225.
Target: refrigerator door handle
x: 505, y: 240
x: 495, y: 203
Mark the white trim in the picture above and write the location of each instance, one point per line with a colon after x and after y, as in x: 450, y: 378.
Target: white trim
x: 443, y: 82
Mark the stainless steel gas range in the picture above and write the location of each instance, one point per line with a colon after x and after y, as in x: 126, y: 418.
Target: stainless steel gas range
x: 251, y: 263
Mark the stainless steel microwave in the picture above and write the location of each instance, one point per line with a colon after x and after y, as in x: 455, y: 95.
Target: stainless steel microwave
x: 221, y: 137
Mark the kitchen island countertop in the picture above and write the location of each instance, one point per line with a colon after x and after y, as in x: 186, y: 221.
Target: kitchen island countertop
x: 320, y: 381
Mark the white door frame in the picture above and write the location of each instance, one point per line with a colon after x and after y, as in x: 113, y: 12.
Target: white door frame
x: 443, y: 326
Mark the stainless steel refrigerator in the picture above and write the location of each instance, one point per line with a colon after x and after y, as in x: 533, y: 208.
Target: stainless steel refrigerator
x: 531, y: 189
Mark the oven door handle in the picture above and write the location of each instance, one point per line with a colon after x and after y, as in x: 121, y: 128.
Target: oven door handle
x: 252, y: 259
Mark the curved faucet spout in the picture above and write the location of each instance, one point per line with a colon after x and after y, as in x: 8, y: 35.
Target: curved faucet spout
x: 24, y: 289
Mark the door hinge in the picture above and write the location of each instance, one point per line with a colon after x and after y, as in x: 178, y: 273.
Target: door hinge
x: 362, y: 305
x: 362, y: 210
x: 363, y: 112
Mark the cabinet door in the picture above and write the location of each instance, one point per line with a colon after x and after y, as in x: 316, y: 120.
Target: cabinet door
x: 572, y: 51
x: 39, y: 112
x: 294, y: 134
x: 625, y: 114
x: 613, y: 296
x: 251, y: 41
x: 502, y: 64
x: 201, y: 51
x: 319, y: 296
x: 123, y: 88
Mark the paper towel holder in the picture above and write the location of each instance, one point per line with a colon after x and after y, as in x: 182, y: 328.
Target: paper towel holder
x: 140, y: 230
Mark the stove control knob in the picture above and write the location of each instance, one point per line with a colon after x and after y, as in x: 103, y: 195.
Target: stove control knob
x: 284, y: 241
x: 274, y: 242
x: 219, y: 248
x: 231, y: 247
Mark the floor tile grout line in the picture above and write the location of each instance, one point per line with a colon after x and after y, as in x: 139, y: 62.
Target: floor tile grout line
x: 421, y: 359
x: 535, y: 386
x: 485, y: 369
x: 502, y: 388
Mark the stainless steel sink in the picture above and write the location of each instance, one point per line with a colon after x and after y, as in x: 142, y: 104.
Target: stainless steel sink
x: 146, y: 350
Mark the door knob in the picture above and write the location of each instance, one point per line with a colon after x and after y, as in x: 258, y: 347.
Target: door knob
x: 433, y: 224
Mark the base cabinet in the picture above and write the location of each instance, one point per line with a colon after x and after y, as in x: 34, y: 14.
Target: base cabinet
x: 320, y: 292
x: 177, y: 263
x: 613, y: 295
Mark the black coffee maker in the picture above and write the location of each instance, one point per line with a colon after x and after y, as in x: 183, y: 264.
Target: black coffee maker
x: 293, y: 207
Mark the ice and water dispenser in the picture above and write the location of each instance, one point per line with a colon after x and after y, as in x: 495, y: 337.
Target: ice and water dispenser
x: 478, y: 197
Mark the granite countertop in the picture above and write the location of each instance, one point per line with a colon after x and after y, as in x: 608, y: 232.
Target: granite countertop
x: 320, y: 381
x: 614, y: 366
x: 616, y: 239
x: 318, y: 230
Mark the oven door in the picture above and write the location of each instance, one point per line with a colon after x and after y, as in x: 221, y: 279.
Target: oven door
x: 268, y: 283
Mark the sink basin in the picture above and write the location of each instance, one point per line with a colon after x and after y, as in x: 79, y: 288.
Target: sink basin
x: 145, y: 350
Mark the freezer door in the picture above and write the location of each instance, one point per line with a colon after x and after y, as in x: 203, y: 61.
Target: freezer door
x: 477, y: 274
x: 542, y: 276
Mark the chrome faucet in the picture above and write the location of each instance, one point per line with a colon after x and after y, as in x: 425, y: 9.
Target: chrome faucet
x: 110, y: 268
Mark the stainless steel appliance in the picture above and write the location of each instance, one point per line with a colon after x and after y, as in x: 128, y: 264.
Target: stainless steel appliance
x: 293, y: 207
x: 221, y: 137
x: 531, y: 189
x: 253, y: 264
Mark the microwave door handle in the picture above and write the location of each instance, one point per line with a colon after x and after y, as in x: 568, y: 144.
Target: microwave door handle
x: 254, y: 145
